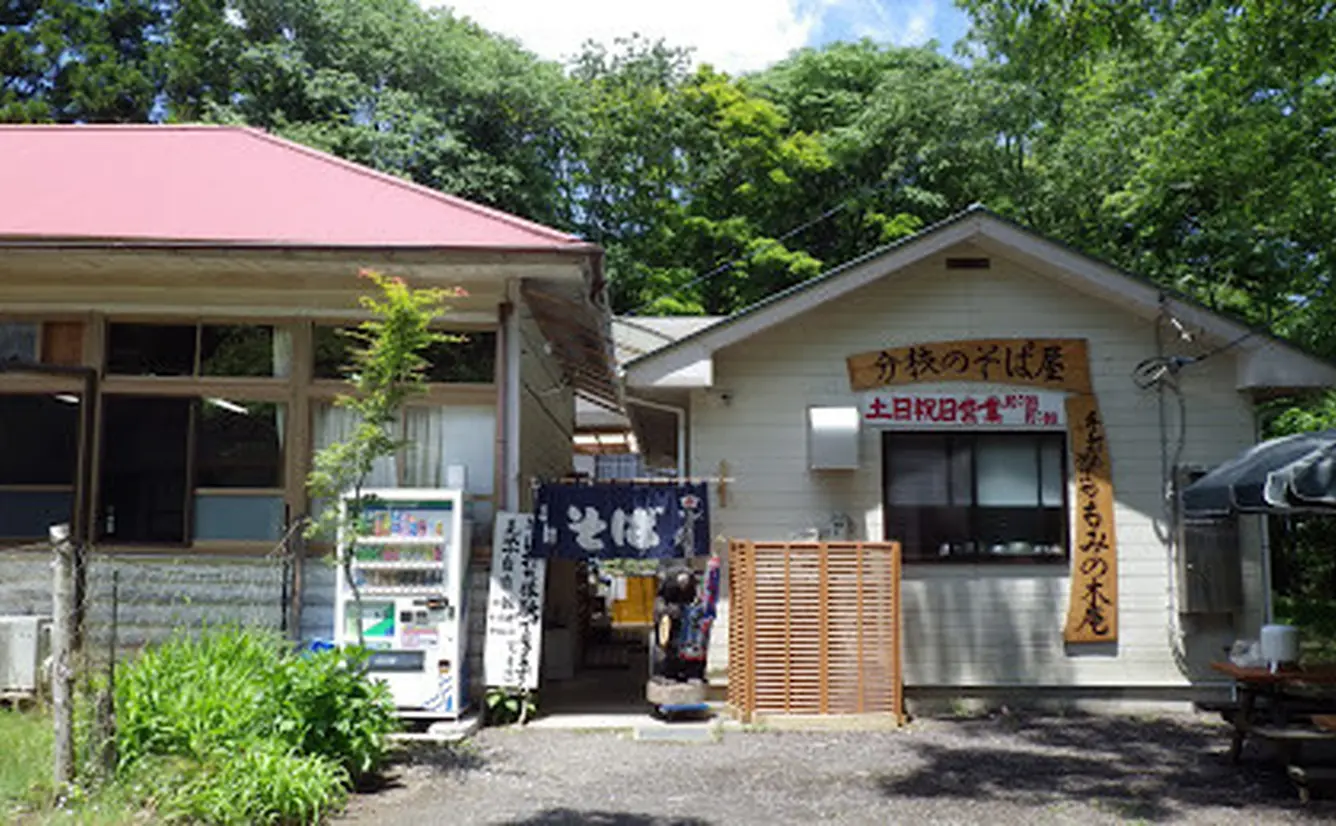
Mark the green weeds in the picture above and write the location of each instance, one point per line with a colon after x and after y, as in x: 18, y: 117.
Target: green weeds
x: 247, y: 730
x: 229, y: 727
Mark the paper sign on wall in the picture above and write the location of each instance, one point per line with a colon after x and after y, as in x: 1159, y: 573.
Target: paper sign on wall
x: 974, y: 411
x: 511, y: 654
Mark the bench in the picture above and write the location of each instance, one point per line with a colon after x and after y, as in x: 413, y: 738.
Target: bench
x: 1289, y: 740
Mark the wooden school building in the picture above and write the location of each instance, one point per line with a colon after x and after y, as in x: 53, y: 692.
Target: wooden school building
x: 203, y: 274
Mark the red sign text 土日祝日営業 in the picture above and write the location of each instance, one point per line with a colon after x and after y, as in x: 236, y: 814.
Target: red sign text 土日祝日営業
x: 948, y: 410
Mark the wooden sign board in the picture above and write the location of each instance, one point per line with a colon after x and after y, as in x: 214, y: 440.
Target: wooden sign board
x: 1092, y: 614
x: 1051, y: 363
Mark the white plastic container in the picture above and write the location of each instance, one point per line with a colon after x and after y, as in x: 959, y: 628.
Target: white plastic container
x: 1280, y: 644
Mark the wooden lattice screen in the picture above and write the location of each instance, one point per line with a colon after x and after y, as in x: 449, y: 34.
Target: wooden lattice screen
x: 814, y: 628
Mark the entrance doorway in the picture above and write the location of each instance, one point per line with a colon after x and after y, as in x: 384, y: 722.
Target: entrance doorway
x: 601, y: 662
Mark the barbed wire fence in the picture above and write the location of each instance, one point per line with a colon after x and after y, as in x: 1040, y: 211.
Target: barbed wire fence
x: 121, y: 603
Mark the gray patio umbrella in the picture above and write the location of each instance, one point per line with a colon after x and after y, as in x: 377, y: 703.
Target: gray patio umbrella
x: 1314, y: 482
x: 1285, y: 475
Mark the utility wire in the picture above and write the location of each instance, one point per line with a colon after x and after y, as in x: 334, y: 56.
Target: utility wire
x: 1153, y: 370
x: 769, y: 242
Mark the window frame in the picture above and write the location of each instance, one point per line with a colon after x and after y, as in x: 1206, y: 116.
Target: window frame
x: 41, y: 488
x: 298, y: 390
x: 445, y: 328
x: 972, y: 438
x: 193, y: 491
x: 115, y: 378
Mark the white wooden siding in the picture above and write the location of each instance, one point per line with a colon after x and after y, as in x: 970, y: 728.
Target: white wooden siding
x: 976, y: 625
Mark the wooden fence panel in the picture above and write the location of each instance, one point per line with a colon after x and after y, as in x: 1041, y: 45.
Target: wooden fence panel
x: 815, y: 628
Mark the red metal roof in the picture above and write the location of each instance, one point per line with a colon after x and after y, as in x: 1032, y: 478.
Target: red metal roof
x: 228, y: 185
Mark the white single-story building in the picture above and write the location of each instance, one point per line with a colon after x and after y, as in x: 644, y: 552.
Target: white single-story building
x: 964, y: 392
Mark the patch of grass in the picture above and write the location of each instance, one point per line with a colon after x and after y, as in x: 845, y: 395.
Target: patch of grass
x: 25, y: 760
x: 233, y: 727
x: 263, y: 782
x: 228, y: 727
x: 27, y: 795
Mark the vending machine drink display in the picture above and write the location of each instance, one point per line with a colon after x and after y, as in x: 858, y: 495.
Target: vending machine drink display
x: 408, y: 564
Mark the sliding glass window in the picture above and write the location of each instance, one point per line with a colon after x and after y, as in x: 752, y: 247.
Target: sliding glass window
x: 181, y: 468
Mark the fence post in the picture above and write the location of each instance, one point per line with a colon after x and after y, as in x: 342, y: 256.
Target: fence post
x: 296, y: 554
x: 62, y: 643
x: 106, y: 701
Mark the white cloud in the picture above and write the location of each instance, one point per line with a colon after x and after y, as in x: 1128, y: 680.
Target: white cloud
x: 733, y: 35
x: 902, y: 22
x: 920, y: 25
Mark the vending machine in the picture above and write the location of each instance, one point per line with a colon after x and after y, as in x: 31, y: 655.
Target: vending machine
x: 408, y: 565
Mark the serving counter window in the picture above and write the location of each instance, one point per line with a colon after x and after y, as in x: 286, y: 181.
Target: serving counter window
x: 976, y: 497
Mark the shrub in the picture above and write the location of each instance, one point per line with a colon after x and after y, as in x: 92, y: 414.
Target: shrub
x: 325, y: 706
x: 232, y: 726
x: 194, y: 696
x: 504, y: 706
x: 260, y: 782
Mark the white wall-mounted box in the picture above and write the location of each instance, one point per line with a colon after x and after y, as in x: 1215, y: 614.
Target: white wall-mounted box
x: 832, y: 438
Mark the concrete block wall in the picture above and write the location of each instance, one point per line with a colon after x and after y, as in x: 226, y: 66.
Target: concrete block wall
x: 157, y: 595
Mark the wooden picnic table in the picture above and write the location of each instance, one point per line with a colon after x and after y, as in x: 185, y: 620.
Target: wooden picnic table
x: 1253, y: 682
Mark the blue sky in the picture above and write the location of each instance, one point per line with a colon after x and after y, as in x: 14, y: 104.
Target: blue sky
x: 734, y: 35
x: 904, y: 22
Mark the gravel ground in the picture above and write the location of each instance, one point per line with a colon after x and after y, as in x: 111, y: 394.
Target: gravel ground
x: 1001, y: 770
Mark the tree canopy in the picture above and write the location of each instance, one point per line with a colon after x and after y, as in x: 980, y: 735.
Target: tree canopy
x: 1189, y: 141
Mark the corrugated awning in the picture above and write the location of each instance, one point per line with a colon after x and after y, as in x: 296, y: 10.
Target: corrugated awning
x: 580, y: 337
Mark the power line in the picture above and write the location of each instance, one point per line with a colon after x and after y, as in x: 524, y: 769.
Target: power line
x: 1152, y: 370
x: 728, y: 265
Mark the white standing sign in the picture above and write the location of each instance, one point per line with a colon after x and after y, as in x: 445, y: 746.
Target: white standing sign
x: 513, y: 648
x: 896, y: 408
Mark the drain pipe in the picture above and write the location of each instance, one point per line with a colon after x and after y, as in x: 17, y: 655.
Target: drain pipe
x: 680, y: 414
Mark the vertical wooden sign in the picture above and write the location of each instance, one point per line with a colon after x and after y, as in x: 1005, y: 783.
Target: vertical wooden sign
x: 1092, y: 614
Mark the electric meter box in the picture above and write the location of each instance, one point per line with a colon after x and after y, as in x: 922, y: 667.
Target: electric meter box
x: 408, y: 565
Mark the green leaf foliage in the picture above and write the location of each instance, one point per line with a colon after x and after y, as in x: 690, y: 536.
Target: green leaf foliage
x: 504, y: 706
x: 387, y: 368
x: 233, y: 726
